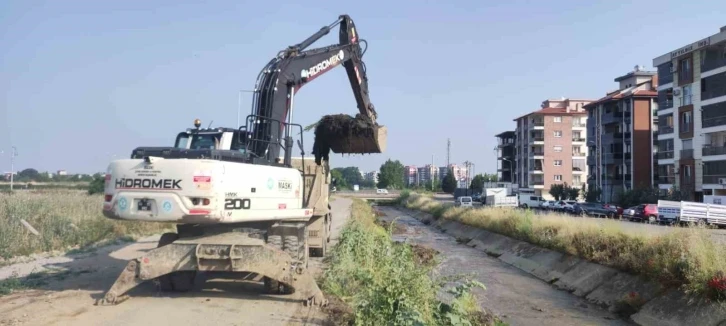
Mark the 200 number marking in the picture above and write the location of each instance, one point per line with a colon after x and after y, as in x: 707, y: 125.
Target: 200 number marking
x: 237, y: 203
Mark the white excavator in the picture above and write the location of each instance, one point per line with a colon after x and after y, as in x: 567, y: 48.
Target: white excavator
x: 242, y: 204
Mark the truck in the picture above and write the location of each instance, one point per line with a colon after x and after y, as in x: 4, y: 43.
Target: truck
x: 242, y: 204
x: 691, y: 212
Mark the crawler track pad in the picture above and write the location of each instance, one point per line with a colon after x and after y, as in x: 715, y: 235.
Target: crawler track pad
x: 189, y: 256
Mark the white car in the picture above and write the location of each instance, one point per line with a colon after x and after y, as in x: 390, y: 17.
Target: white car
x: 549, y: 204
x: 464, y: 201
x: 381, y: 191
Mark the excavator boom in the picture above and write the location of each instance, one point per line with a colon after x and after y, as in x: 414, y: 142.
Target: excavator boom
x: 281, y: 79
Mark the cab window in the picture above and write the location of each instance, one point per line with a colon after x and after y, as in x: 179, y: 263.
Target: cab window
x: 205, y: 141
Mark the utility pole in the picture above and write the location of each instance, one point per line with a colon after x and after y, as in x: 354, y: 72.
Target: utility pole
x: 13, y: 154
x: 448, y: 152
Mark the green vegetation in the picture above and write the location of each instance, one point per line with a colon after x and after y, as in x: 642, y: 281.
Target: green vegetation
x: 63, y: 219
x: 449, y: 184
x: 564, y: 192
x: 391, y: 175
x: 384, y: 283
x: 684, y: 257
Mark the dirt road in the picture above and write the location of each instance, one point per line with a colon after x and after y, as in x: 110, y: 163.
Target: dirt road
x: 519, y: 298
x: 68, y: 298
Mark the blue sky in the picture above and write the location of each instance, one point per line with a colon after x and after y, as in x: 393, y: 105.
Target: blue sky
x: 82, y: 82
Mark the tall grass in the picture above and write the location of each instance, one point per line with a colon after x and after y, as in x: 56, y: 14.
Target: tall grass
x: 383, y: 283
x: 685, y: 257
x: 64, y: 219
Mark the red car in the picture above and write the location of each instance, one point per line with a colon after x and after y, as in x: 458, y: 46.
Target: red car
x: 646, y: 212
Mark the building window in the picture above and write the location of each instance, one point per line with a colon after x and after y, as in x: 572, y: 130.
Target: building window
x: 685, y: 71
x: 686, y: 120
x: 558, y: 177
x: 558, y: 119
x: 558, y: 133
x: 558, y: 148
x: 558, y: 162
x: 687, y: 98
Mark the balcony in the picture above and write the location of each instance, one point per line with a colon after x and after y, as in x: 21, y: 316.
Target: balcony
x: 663, y: 130
x: 667, y: 180
x: 713, y: 179
x: 537, y: 182
x: 578, y: 124
x: 665, y: 104
x: 537, y: 138
x: 537, y: 168
x: 578, y: 139
x: 713, y: 122
x: 686, y: 153
x: 579, y: 169
x: 537, y: 153
x: 714, y: 150
x: 538, y: 123
x: 665, y: 155
x: 577, y: 154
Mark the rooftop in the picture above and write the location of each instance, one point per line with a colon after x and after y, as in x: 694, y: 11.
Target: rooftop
x: 506, y: 134
x: 688, y: 48
x: 553, y: 111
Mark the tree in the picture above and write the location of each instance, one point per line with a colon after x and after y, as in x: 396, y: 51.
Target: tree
x: 338, y: 179
x: 573, y: 193
x: 97, y: 185
x: 477, y: 183
x: 391, y: 175
x: 29, y: 174
x: 449, y: 184
x: 558, y: 191
x: 592, y: 194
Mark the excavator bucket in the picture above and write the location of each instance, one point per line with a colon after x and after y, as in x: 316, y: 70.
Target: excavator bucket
x: 344, y: 134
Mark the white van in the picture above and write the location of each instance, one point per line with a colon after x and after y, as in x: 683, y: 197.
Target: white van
x: 464, y: 201
x: 530, y: 200
x: 381, y: 191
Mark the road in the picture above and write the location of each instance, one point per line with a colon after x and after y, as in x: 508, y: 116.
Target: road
x: 518, y: 297
x: 718, y: 235
x: 69, y: 298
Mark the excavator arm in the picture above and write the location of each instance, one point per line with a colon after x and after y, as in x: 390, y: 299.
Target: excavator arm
x: 281, y: 79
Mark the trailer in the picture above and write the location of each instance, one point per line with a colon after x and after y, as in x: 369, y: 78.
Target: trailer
x: 691, y: 212
x: 502, y: 201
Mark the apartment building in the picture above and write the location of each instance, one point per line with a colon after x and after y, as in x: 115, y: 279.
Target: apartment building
x: 621, y: 135
x: 460, y: 173
x: 550, y: 146
x: 410, y: 173
x: 371, y: 176
x: 692, y: 119
x: 427, y: 174
x: 506, y: 154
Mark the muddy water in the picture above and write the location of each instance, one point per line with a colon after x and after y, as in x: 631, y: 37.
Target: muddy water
x: 517, y: 297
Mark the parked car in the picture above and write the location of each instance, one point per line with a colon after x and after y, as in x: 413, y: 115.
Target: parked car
x: 530, y: 201
x: 615, y: 209
x: 476, y: 197
x: 382, y: 191
x: 596, y: 209
x: 464, y: 201
x: 566, y: 206
x: 547, y: 204
x: 646, y: 213
x: 629, y: 212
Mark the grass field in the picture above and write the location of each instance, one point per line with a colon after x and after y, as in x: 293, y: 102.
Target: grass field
x: 686, y: 257
x: 65, y: 219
